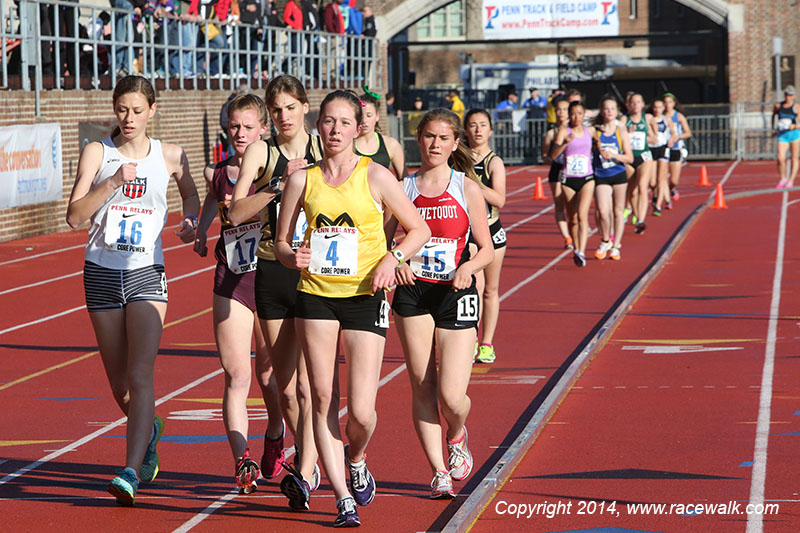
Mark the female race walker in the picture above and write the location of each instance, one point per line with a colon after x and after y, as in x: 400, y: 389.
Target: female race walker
x: 577, y: 176
x: 677, y: 152
x: 382, y: 149
x: 265, y: 165
x: 641, y: 171
x: 121, y: 188
x: 667, y: 136
x: 612, y: 152
x: 345, y: 268
x: 436, y: 306
x: 787, y: 130
x: 234, y: 302
x: 556, y: 165
x: 491, y: 172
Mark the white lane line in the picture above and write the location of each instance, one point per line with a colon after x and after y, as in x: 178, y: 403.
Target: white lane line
x: 90, y: 437
x: 45, y: 281
x: 755, y: 522
x: 208, y: 511
x: 532, y: 217
x: 68, y: 311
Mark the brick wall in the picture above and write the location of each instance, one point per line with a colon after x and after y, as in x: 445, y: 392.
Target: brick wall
x: 187, y: 118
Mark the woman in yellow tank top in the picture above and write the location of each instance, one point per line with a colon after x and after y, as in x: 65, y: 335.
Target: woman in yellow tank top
x: 345, y: 269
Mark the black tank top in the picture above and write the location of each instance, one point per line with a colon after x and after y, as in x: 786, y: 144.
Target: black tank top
x: 482, y: 170
x: 381, y: 155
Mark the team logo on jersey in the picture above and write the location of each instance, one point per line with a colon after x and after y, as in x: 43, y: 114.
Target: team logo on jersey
x: 135, y: 189
x: 342, y: 220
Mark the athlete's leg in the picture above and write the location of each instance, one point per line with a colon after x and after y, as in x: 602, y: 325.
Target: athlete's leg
x: 267, y: 383
x: 782, y: 149
x: 585, y: 196
x: 619, y: 194
x: 603, y: 197
x: 455, y: 369
x: 795, y: 154
x: 416, y: 336
x: 662, y: 183
x: 491, y: 297
x: 674, y: 176
x: 319, y: 344
x: 571, y: 205
x: 558, y: 203
x: 632, y: 195
x: 144, y: 321
x: 112, y: 340
x: 645, y: 171
x: 233, y: 331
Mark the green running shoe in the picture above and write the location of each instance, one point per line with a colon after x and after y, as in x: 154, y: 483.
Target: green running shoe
x: 149, y: 469
x: 124, y: 487
x: 485, y: 354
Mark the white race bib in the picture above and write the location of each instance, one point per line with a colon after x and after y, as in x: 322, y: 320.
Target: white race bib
x: 784, y: 124
x: 334, y: 251
x: 436, y: 260
x: 638, y: 140
x: 383, y: 315
x: 241, y: 243
x: 577, y: 165
x: 646, y: 155
x: 468, y: 308
x: 609, y: 163
x: 299, y: 227
x: 131, y: 229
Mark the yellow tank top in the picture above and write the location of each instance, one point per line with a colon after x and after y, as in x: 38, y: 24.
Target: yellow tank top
x: 345, y: 232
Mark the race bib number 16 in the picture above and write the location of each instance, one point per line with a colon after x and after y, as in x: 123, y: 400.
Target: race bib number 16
x: 130, y: 229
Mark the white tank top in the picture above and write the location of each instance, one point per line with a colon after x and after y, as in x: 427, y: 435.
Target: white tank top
x: 125, y: 232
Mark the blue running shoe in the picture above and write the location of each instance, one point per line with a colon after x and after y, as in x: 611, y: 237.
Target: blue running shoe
x: 348, y: 515
x: 362, y: 484
x: 296, y: 488
x: 124, y: 487
x: 149, y: 469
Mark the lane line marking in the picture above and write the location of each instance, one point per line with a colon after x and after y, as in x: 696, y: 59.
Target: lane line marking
x: 755, y: 522
x: 90, y: 437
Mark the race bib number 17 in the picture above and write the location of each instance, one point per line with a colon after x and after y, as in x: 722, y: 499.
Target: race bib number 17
x: 241, y: 243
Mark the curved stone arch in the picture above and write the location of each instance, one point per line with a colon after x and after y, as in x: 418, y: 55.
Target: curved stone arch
x: 408, y: 12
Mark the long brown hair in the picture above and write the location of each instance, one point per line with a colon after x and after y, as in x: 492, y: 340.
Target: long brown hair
x: 460, y: 160
x: 132, y: 84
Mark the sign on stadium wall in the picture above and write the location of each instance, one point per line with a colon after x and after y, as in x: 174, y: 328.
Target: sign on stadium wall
x: 30, y: 164
x: 545, y: 19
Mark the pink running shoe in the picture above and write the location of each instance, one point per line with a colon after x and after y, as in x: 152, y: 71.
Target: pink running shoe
x: 783, y: 183
x: 274, y: 455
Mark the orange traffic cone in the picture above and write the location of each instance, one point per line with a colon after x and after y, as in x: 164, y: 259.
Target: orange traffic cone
x: 703, y: 178
x: 719, y: 199
x: 538, y: 193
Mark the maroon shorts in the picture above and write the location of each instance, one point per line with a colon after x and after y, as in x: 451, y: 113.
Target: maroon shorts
x: 239, y: 287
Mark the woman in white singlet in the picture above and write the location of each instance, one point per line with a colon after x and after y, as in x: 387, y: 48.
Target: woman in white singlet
x: 121, y: 188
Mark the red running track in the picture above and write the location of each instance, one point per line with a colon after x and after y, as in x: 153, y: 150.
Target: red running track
x: 63, y: 434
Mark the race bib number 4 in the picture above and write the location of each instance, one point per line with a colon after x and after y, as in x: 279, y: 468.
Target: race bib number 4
x: 383, y: 315
x: 577, y: 165
x: 131, y: 229
x: 334, y: 251
x: 241, y: 243
x: 436, y: 261
x: 468, y: 308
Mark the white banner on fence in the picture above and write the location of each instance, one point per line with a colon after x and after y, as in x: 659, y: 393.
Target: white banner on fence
x: 545, y: 19
x: 30, y: 164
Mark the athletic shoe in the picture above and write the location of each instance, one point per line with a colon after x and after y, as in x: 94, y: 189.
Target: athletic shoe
x: 568, y: 244
x: 362, y: 484
x: 783, y: 183
x: 442, y: 486
x: 297, y: 490
x: 626, y: 213
x: 602, y: 250
x: 640, y: 227
x: 274, y: 455
x: 316, y: 478
x: 615, y: 255
x: 124, y: 487
x: 578, y: 258
x: 656, y: 211
x: 348, y: 515
x: 675, y: 195
x: 475, y: 354
x: 246, y: 474
x: 150, y: 464
x: 634, y: 220
x: 486, y: 354
x: 459, y: 458
x: 668, y: 205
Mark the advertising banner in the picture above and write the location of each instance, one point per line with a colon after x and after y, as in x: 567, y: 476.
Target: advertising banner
x: 549, y: 19
x: 30, y: 164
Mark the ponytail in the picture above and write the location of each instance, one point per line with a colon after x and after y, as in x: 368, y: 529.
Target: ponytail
x: 461, y: 161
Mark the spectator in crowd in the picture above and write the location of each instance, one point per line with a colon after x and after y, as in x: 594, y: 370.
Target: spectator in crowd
x: 456, y: 105
x: 250, y: 13
x: 550, y: 109
x: 164, y: 28
x: 293, y: 18
x: 535, y: 104
x: 334, y: 23
x: 390, y: 108
x: 187, y: 37
x: 120, y: 34
x: 418, y: 104
x: 370, y: 29
x: 509, y: 103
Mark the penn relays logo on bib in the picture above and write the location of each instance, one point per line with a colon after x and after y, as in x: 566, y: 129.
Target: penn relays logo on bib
x: 135, y: 189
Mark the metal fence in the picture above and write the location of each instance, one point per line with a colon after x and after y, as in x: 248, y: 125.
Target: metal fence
x: 743, y: 130
x: 66, y: 54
